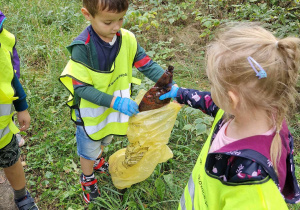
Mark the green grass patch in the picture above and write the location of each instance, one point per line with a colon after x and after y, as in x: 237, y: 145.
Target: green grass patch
x: 173, y: 33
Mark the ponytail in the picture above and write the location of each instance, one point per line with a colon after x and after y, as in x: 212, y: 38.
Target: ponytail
x: 289, y: 51
x: 275, y: 150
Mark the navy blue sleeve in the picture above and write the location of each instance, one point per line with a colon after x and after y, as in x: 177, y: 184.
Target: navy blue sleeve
x: 198, y: 100
x: 21, y: 103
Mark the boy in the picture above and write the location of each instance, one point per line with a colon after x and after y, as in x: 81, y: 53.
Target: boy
x: 12, y: 93
x: 99, y: 77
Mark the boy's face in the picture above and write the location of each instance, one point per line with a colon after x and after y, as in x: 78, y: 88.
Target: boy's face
x: 105, y: 23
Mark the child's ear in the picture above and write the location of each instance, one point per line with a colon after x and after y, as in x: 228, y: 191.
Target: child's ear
x: 234, y: 99
x: 86, y: 13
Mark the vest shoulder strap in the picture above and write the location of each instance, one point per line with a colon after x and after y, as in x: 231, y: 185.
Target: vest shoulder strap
x: 7, y: 40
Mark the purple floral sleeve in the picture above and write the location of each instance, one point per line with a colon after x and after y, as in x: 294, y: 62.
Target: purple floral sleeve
x: 198, y: 100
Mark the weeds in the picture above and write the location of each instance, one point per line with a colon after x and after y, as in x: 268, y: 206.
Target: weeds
x: 172, y: 32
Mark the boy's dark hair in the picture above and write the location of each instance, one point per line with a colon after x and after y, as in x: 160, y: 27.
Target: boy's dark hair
x: 94, y: 6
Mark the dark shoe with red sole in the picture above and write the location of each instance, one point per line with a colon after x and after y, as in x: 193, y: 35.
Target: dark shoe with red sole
x: 90, y: 189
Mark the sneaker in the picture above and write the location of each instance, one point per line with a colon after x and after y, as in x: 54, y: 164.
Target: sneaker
x: 90, y: 188
x: 26, y: 203
x: 101, y: 166
x: 20, y: 139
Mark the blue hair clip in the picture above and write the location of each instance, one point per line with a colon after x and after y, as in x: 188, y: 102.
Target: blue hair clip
x: 262, y: 73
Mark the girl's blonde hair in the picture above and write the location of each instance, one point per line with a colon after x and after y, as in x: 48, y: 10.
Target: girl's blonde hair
x: 229, y: 69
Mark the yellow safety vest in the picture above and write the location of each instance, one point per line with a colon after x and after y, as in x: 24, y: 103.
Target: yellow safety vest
x: 206, y: 193
x: 7, y: 127
x: 99, y: 121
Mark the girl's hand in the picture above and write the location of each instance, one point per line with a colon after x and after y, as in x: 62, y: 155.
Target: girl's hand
x: 24, y: 120
x: 171, y: 94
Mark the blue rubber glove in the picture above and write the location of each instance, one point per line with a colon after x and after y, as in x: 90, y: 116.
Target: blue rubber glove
x: 126, y: 106
x: 171, y: 94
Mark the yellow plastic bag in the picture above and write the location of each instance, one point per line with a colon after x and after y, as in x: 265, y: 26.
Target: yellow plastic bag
x: 148, y: 134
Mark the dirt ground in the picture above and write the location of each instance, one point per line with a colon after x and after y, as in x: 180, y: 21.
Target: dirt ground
x: 6, y: 194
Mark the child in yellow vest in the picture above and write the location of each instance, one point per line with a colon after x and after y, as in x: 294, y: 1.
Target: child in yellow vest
x: 247, y: 160
x: 12, y: 94
x: 16, y: 66
x: 99, y: 78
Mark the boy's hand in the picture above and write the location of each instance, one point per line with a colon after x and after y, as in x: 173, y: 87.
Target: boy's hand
x: 24, y: 120
x: 126, y: 106
x: 171, y: 94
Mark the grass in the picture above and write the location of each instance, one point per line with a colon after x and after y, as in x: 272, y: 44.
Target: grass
x: 170, y: 34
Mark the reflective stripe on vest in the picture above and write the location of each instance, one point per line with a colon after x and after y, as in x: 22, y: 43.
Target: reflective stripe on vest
x: 187, y: 198
x: 95, y: 112
x: 101, y: 121
x: 191, y: 189
x: 4, y: 131
x: 111, y: 118
x: 207, y: 193
x: 5, y: 117
x: 7, y: 129
x: 5, y: 109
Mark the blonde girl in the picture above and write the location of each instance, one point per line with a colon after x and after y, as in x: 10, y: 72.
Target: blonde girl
x: 247, y: 161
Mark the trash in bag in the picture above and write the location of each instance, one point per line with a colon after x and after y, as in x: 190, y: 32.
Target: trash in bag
x: 148, y: 134
x: 163, y: 85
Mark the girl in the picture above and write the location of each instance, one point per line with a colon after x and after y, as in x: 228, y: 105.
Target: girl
x: 247, y: 161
